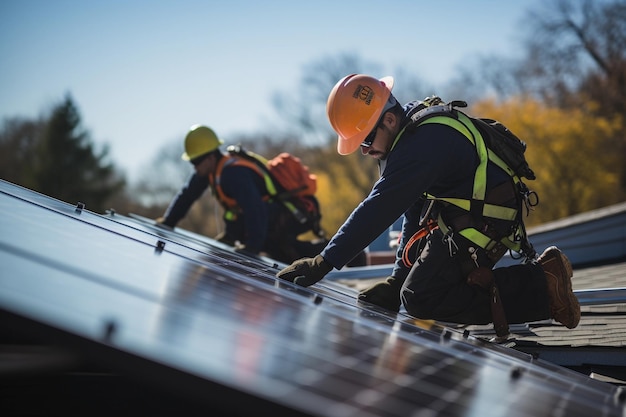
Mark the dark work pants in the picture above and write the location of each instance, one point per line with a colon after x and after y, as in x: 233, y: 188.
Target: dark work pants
x: 436, y: 288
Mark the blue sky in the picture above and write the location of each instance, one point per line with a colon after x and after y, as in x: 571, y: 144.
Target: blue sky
x: 143, y: 71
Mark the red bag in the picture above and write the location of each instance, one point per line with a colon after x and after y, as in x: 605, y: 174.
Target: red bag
x: 292, y: 175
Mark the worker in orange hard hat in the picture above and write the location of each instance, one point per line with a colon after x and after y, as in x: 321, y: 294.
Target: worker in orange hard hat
x: 461, y: 208
x: 366, y: 104
x: 256, y: 222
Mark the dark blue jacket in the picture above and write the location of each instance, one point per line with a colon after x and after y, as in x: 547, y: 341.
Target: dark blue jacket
x: 243, y: 185
x: 434, y: 159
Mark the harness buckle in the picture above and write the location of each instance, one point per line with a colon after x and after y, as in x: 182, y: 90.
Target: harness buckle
x: 448, y: 239
x: 473, y: 255
x: 428, y: 229
x: 529, y: 197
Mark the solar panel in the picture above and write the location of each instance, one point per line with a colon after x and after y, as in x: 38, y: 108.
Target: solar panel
x: 188, y: 314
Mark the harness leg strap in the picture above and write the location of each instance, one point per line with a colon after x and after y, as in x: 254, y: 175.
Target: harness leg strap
x: 483, y: 277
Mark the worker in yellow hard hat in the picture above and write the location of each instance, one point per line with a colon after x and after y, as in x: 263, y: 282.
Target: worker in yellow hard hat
x: 199, y: 142
x: 237, y: 186
x: 255, y: 221
x: 461, y: 208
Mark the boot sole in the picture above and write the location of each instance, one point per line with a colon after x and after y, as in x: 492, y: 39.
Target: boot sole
x: 572, y: 305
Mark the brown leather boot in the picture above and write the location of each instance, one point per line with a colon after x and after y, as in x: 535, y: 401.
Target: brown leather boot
x: 564, y: 306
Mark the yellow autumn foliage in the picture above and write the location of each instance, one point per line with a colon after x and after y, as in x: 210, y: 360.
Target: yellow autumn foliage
x: 570, y: 151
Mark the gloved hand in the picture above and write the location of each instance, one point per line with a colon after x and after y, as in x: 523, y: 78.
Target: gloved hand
x: 159, y: 222
x: 226, y: 238
x: 385, y: 294
x: 242, y: 249
x: 306, y: 271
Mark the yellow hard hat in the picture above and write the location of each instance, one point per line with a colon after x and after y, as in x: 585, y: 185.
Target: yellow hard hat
x: 354, y: 107
x: 200, y: 140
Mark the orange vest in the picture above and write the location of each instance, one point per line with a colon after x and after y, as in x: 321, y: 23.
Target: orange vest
x: 230, y: 205
x: 215, y: 180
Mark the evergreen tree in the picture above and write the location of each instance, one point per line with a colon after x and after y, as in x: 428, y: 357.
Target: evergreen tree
x: 67, y: 167
x: 18, y: 141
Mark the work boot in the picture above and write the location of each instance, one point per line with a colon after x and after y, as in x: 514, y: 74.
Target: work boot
x: 564, y: 306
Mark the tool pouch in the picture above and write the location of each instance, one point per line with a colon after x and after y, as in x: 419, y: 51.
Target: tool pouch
x: 483, y: 277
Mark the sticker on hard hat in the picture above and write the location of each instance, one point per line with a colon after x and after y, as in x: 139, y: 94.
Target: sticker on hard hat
x: 364, y: 93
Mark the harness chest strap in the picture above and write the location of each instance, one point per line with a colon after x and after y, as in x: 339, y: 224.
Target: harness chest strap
x: 230, y: 204
x: 482, y: 239
x: 469, y: 131
x: 477, y: 203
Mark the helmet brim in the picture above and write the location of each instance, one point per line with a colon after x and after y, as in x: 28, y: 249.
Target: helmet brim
x: 348, y: 146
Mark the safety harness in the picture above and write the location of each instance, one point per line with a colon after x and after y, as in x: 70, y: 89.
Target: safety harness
x: 479, y: 206
x: 232, y: 209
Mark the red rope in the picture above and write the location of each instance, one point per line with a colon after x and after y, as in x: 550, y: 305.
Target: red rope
x: 423, y: 232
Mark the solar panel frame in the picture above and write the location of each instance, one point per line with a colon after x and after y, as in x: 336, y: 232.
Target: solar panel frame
x: 195, y: 316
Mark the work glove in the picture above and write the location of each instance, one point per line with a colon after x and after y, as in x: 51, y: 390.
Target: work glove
x: 306, y: 271
x: 226, y: 238
x: 244, y: 250
x: 159, y: 222
x: 385, y: 294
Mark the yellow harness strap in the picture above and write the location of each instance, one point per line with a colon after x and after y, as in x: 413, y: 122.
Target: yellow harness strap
x: 230, y: 205
x: 464, y: 125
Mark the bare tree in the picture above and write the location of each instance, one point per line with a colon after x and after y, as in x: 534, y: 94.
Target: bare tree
x: 162, y: 177
x: 573, y: 57
x: 591, y: 56
x: 304, y: 110
x: 568, y: 48
x: 574, y: 45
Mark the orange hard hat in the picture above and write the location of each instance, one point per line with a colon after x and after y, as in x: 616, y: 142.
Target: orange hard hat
x: 354, y: 107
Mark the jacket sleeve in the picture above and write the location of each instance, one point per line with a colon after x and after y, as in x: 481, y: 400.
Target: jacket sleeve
x: 433, y: 157
x: 410, y: 225
x: 179, y: 206
x: 384, y: 205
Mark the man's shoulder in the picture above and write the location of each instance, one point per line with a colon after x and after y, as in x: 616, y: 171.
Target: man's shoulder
x: 238, y: 164
x: 432, y: 136
x: 239, y: 176
x: 431, y: 146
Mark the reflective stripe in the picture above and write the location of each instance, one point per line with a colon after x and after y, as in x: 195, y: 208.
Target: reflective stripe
x: 393, y: 145
x: 230, y: 203
x: 486, y: 242
x: 489, y: 210
x: 499, y: 162
x: 480, y: 238
x: 294, y: 210
x: 480, y: 179
x: 469, y: 131
x: 453, y: 123
x: 269, y: 184
x: 465, y: 126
